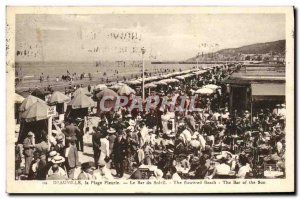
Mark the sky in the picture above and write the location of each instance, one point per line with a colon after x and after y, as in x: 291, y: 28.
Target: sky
x: 117, y: 37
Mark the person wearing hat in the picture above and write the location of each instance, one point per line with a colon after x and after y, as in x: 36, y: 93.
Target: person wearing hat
x: 72, y: 159
x: 105, y: 173
x: 56, y: 171
x: 42, y: 167
x: 33, y: 166
x: 96, y: 144
x: 87, y: 172
x: 71, y: 132
x: 120, y: 153
x: 28, y: 146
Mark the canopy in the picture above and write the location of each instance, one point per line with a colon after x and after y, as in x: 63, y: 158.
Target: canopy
x: 267, y: 91
x: 126, y: 90
x: 57, y: 98
x: 150, y: 85
x: 81, y: 101
x: 28, y: 101
x: 18, y: 98
x: 83, y: 91
x: 36, y: 112
x: 106, y: 92
x: 100, y: 87
x: 204, y: 91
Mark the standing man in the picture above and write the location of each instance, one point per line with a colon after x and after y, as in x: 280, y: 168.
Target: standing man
x: 96, y: 145
x: 71, y: 132
x: 28, y: 146
x: 120, y: 151
x: 72, y: 161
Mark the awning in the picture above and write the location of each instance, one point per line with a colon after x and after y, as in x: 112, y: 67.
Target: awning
x: 267, y: 91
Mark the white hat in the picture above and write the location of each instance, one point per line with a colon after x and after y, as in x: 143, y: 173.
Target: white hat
x: 52, y: 154
x: 111, y: 130
x: 54, y: 132
x: 58, y: 159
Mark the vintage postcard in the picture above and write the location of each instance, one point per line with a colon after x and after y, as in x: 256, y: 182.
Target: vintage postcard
x: 150, y: 100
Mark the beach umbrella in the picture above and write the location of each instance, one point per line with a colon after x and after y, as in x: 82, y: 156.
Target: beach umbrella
x: 204, y: 91
x: 150, y: 85
x: 161, y: 82
x: 134, y: 82
x: 81, y: 101
x: 40, y: 93
x: 106, y: 92
x: 212, y: 86
x: 179, y: 77
x: 100, y: 87
x: 117, y: 86
x: 36, y: 112
x: 125, y: 90
x: 57, y: 98
x: 18, y: 98
x: 83, y: 91
x: 28, y: 101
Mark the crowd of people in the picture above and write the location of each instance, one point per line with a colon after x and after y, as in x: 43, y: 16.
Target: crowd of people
x: 211, y: 143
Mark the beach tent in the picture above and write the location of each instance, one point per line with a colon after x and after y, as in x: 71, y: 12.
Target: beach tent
x: 28, y: 101
x: 126, y: 90
x: 35, y: 119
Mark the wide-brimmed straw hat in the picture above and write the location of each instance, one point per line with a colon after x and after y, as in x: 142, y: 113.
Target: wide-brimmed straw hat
x: 58, y: 159
x: 52, y: 154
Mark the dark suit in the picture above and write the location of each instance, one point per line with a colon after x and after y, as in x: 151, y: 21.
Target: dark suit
x: 120, y: 152
x: 71, y: 161
x: 71, y: 132
x: 96, y: 147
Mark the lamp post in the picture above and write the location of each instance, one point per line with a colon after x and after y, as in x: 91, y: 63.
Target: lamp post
x: 143, y: 83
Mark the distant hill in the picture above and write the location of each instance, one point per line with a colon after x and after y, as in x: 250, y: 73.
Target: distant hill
x: 276, y: 47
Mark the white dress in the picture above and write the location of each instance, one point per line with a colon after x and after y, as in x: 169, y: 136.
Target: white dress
x: 104, y: 148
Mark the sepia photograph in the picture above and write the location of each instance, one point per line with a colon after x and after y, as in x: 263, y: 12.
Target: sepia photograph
x: 150, y: 99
